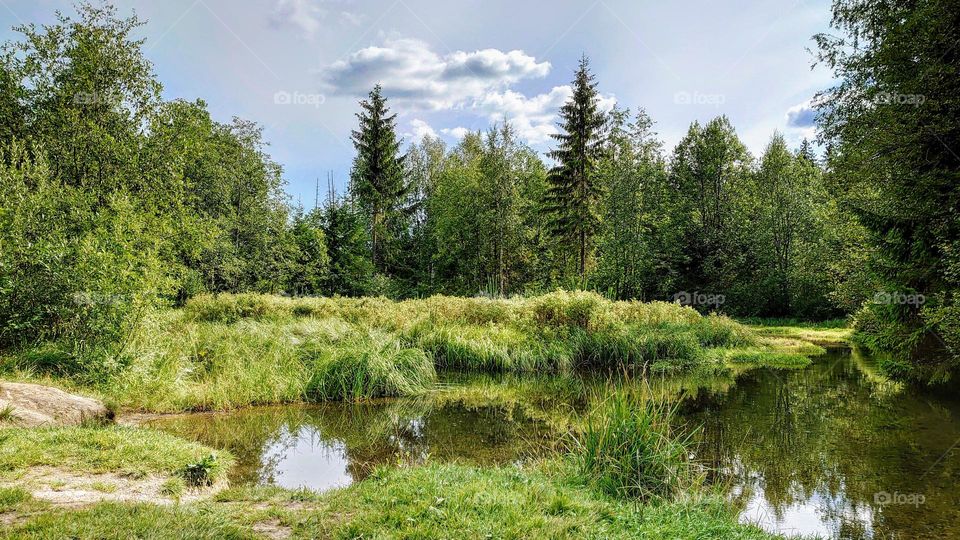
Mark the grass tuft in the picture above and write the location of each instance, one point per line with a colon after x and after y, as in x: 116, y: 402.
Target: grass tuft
x: 628, y: 449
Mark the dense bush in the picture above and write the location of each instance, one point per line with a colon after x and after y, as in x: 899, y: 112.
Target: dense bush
x: 76, y: 270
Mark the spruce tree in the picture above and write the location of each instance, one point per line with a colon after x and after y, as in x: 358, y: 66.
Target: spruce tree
x: 377, y: 177
x: 573, y: 191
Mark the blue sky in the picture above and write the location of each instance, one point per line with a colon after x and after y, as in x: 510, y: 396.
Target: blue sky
x: 298, y: 67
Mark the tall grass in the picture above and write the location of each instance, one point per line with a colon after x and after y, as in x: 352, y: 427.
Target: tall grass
x: 627, y: 448
x: 361, y: 369
x: 225, y: 351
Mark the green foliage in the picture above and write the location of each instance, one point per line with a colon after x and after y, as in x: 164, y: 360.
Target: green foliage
x: 377, y: 178
x: 88, y: 269
x: 635, y: 241
x: 351, y: 272
x: 481, y: 216
x: 377, y: 366
x: 573, y: 195
x: 201, y: 473
x: 628, y: 449
x: 892, y: 122
x: 112, y: 201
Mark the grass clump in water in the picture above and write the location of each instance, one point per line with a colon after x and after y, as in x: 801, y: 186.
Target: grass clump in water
x: 627, y: 449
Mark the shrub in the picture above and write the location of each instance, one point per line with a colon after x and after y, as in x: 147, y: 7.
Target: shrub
x: 230, y: 308
x: 562, y: 308
x: 716, y: 331
x: 76, y: 269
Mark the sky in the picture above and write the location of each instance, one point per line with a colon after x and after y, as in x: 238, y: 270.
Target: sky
x: 299, y: 67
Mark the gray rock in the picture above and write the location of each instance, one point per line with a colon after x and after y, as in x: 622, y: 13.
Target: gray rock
x: 33, y: 405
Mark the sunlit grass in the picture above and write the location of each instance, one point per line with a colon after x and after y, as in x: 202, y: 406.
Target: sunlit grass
x: 226, y: 351
x: 128, y: 451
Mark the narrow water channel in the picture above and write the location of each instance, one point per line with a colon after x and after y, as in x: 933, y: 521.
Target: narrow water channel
x: 832, y: 450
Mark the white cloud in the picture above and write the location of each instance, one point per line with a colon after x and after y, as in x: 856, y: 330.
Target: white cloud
x: 533, y: 117
x: 421, y: 129
x: 304, y: 15
x: 411, y: 72
x: 478, y: 82
x: 458, y: 132
x: 801, y: 115
x: 801, y: 122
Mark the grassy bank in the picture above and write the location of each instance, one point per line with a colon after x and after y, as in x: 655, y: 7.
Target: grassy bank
x: 123, y: 450
x: 832, y: 333
x: 546, y: 500
x: 225, y: 351
x: 74, y: 466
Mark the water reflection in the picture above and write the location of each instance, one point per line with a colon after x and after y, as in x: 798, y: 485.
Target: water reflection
x: 332, y: 445
x: 833, y: 450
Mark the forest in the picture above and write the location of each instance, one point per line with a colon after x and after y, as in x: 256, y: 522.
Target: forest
x: 114, y: 200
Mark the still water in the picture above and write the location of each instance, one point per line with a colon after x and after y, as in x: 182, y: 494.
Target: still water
x: 833, y: 450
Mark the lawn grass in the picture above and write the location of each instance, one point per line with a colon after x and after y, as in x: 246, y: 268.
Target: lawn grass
x: 123, y: 521
x: 455, y: 501
x: 543, y: 500
x: 832, y: 333
x: 134, y: 452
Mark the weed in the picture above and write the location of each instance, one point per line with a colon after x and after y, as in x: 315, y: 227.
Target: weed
x: 201, y: 473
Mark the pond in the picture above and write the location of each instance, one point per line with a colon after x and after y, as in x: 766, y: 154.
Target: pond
x: 832, y: 450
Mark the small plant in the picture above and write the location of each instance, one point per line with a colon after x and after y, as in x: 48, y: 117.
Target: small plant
x: 173, y: 487
x: 201, y: 473
x: 104, y: 487
x: 6, y: 414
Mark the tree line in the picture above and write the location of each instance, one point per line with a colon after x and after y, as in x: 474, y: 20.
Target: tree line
x: 113, y: 200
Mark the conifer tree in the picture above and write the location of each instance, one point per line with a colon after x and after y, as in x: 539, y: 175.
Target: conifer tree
x: 377, y: 177
x: 573, y: 192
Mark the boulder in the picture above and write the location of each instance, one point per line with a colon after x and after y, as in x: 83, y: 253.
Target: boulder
x: 32, y: 405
